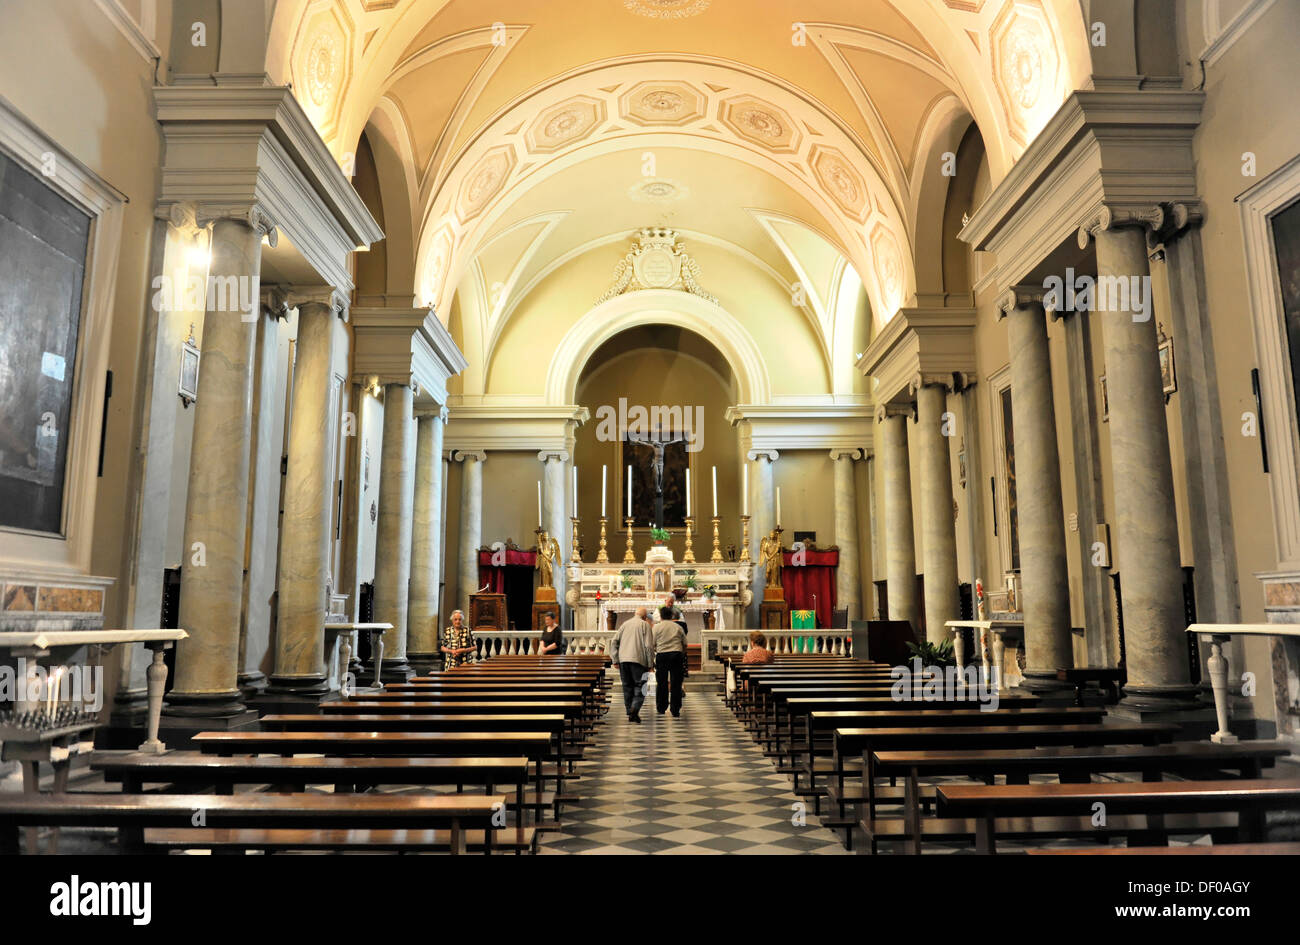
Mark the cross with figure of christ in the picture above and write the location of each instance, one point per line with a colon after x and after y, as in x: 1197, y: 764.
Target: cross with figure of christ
x: 657, y: 442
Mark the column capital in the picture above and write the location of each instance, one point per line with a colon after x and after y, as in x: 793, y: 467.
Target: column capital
x: 895, y: 409
x: 462, y: 456
x: 841, y: 452
x: 770, y: 455
x: 547, y: 455
x: 432, y: 412
x: 325, y: 295
x: 1161, y: 221
x: 253, y: 215
x: 953, y: 382
x: 180, y: 214
x: 1020, y: 296
x: 274, y: 302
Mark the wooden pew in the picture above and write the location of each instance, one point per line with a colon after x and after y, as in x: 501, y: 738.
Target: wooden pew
x: 1071, y: 765
x: 134, y: 813
x: 865, y: 741
x: 989, y: 805
x: 1280, y: 848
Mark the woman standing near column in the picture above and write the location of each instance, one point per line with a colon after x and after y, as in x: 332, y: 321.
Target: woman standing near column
x: 552, y: 642
x: 457, y: 642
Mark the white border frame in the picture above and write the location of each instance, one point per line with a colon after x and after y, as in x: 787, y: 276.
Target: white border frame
x: 1258, y: 206
x: 68, y: 555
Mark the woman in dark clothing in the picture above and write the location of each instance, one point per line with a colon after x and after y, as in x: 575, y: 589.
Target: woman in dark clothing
x: 552, y: 642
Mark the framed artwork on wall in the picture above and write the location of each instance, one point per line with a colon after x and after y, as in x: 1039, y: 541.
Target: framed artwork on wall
x: 1165, y: 349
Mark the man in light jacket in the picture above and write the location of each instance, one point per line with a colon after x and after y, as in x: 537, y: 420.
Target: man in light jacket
x: 633, y: 652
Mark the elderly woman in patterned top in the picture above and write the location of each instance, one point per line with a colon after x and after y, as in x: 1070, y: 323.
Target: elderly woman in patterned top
x: 457, y: 642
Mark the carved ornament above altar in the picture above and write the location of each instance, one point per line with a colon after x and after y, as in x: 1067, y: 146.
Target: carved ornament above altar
x: 657, y: 261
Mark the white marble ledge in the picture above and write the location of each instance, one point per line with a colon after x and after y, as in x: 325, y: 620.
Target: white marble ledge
x: 1246, y: 629
x: 48, y: 638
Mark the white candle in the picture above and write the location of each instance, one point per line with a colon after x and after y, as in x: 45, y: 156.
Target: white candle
x: 575, y: 491
x: 778, y: 506
x: 744, y: 487
x: 539, y: 503
x: 604, y: 479
x: 688, y: 492
x: 629, y: 491
x: 715, y: 491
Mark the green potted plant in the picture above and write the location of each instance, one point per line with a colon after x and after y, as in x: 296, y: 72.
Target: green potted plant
x: 691, y: 582
x: 710, y: 591
x: 933, y: 654
x: 627, y: 582
x: 660, y: 536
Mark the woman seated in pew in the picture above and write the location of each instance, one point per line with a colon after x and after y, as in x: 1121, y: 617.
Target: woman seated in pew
x: 552, y: 641
x: 758, y: 651
x: 457, y: 642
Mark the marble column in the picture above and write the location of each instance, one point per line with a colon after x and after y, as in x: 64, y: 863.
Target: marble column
x: 877, y: 557
x: 762, y: 509
x: 263, y: 499
x: 938, y: 524
x: 1044, y: 573
x: 426, y: 541
x: 1146, y: 528
x: 212, y: 575
x: 900, y: 541
x: 471, y: 523
x: 554, y: 518
x: 308, y: 499
x: 847, y: 588
x: 393, y: 535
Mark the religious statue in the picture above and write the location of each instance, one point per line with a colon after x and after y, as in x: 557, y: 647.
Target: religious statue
x: 548, y: 555
x: 769, y: 555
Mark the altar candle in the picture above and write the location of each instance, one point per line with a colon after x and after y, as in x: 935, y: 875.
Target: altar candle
x: 778, y: 506
x: 688, y: 492
x: 629, y: 492
x: 604, y: 479
x: 715, y: 491
x: 575, y: 491
x: 539, y: 503
x: 744, y: 488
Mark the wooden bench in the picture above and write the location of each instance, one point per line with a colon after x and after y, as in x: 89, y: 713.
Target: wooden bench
x: 132, y: 814
x: 1281, y: 848
x: 1072, y: 765
x: 518, y: 840
x: 987, y: 804
x: 1109, y: 678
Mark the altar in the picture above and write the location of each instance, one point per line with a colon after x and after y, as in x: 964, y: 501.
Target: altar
x: 599, y: 592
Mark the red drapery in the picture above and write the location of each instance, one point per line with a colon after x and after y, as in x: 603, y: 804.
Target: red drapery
x: 814, y: 578
x: 494, y: 575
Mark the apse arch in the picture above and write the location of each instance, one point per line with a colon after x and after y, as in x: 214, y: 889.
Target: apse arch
x: 657, y: 307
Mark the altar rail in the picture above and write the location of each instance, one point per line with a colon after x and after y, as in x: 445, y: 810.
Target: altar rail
x: 824, y: 642
x: 1217, y: 664
x: 577, y: 642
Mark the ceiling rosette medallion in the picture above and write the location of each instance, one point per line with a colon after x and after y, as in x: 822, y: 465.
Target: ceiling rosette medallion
x: 666, y: 9
x: 484, y: 182
x: 1025, y: 66
x: 657, y: 261
x: 761, y: 123
x: 564, y: 124
x: 844, y: 184
x: 888, y: 261
x: 662, y: 103
x: 321, y: 66
x: 439, y: 259
x: 658, y: 190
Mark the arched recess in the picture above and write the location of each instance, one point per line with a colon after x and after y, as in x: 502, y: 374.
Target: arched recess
x: 663, y: 307
x: 390, y: 145
x: 931, y: 182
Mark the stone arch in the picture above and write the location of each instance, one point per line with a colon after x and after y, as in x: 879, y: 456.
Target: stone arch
x: 665, y: 307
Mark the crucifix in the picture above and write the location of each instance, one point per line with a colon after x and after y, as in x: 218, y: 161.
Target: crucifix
x: 657, y: 442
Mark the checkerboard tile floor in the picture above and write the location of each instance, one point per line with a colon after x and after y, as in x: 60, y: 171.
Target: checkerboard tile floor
x: 692, y: 785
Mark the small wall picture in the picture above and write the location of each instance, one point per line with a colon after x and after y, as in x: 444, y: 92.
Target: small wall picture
x: 189, y: 378
x: 1165, y: 347
x: 1104, y: 398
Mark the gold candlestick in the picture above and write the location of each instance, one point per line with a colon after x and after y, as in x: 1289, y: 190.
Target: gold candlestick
x: 602, y: 556
x: 628, y: 557
x: 717, y: 551
x: 576, y: 556
x: 744, y: 539
x: 689, y: 556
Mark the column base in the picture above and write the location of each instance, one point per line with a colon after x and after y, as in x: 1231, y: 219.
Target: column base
x: 250, y: 684
x: 1178, y: 704
x: 421, y: 663
x: 394, y: 670
x: 177, y: 732
x: 309, y: 686
x: 1043, y: 683
x: 204, y: 705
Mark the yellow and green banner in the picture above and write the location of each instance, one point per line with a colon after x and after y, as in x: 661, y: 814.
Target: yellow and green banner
x: 803, y: 620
